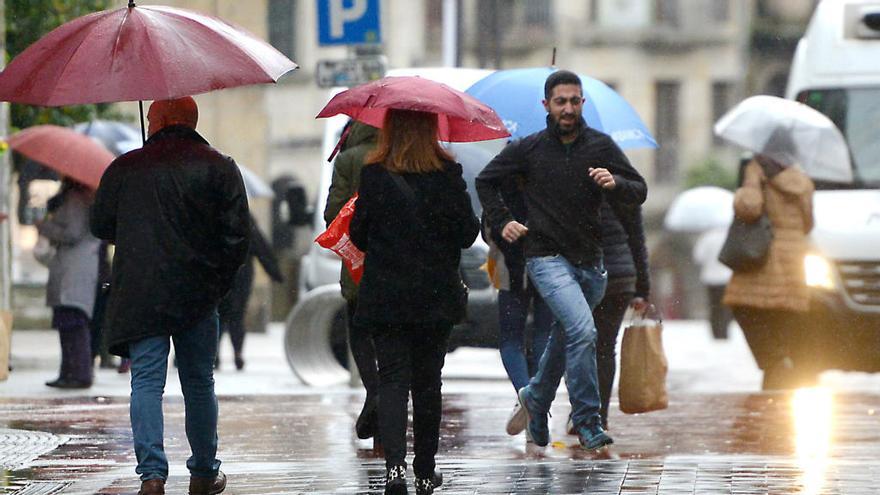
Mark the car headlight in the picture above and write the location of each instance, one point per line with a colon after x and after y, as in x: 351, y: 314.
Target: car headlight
x: 819, y: 272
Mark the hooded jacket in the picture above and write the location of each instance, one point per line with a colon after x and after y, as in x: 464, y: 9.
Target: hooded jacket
x: 177, y: 212
x: 787, y: 198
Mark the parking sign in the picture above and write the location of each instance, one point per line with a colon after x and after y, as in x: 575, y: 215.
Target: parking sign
x: 348, y: 22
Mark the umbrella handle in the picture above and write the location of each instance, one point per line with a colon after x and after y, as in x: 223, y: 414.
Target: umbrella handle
x: 143, y: 131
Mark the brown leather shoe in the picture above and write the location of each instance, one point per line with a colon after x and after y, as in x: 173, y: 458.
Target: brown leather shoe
x: 207, y: 486
x: 153, y: 487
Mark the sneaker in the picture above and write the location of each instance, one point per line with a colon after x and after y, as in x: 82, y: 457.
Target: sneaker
x: 536, y: 427
x: 395, y: 480
x: 517, y: 421
x: 593, y: 437
x: 571, y: 430
x: 426, y: 486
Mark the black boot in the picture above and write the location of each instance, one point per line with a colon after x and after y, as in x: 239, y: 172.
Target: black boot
x: 367, y: 424
x: 395, y: 480
x: 426, y: 486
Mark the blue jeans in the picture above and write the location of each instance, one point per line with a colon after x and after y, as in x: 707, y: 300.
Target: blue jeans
x: 571, y: 292
x: 513, y: 310
x: 195, y: 350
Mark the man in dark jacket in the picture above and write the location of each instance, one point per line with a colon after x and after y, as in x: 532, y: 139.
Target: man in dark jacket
x: 177, y: 212
x: 360, y: 139
x: 568, y: 169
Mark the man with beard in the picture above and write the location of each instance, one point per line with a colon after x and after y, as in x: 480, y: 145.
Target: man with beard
x: 567, y: 169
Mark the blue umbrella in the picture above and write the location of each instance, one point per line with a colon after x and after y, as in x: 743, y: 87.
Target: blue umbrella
x: 516, y: 95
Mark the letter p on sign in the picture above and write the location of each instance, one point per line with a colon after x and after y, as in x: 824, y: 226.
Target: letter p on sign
x: 348, y: 22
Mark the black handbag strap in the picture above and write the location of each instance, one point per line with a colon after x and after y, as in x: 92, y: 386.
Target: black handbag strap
x: 404, y: 187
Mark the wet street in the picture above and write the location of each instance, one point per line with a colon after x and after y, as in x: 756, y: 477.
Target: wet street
x: 720, y: 434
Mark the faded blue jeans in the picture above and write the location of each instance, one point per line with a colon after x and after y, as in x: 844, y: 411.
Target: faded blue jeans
x: 195, y: 350
x: 571, y: 292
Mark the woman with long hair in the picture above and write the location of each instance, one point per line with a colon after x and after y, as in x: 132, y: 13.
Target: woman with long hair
x: 412, y: 218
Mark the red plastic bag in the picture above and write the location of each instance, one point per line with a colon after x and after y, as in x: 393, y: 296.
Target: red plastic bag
x: 336, y: 239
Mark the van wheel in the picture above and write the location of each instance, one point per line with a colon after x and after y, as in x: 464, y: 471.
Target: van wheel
x: 311, y: 337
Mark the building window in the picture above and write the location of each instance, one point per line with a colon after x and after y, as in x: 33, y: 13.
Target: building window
x: 722, y: 101
x: 282, y: 16
x: 666, y: 113
x: 667, y: 13
x: 594, y: 11
x: 537, y: 13
x: 720, y: 11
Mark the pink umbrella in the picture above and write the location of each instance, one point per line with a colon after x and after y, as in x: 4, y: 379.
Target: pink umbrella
x: 462, y: 118
x: 139, y: 53
x: 65, y: 151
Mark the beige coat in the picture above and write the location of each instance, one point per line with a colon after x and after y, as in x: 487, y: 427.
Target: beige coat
x: 788, y: 200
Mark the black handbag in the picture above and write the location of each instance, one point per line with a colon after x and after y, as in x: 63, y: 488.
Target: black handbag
x: 747, y: 244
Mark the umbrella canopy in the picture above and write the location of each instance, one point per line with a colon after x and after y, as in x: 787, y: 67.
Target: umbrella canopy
x: 254, y: 185
x: 791, y: 133
x: 516, y: 95
x: 118, y: 137
x: 700, y: 209
x: 138, y: 53
x: 461, y: 117
x: 65, y: 151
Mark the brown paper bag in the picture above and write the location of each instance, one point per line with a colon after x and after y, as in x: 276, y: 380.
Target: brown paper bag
x: 5, y: 343
x: 643, y: 367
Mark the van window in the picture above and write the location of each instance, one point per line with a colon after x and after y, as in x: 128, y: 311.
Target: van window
x: 856, y: 112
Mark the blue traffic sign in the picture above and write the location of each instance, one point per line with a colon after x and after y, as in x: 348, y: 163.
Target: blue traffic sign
x: 348, y: 22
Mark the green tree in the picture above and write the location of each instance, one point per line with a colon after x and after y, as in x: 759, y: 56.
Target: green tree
x: 710, y: 172
x: 26, y: 22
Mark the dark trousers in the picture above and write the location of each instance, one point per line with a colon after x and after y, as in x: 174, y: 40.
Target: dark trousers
x: 719, y: 314
x: 766, y: 331
x: 364, y: 353
x: 76, y: 343
x: 608, y: 316
x: 410, y: 360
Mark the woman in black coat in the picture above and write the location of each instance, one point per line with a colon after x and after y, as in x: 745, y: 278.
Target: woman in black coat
x: 412, y: 218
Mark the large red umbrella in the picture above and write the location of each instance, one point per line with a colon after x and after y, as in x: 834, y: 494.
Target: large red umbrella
x: 461, y: 117
x: 66, y: 151
x: 138, y: 53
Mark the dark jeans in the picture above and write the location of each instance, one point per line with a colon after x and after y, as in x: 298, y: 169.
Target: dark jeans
x: 410, y: 360
x: 513, y: 310
x: 609, y: 316
x: 364, y: 353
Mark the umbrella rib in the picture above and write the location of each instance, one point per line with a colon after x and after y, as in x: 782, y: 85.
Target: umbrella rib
x: 88, y: 28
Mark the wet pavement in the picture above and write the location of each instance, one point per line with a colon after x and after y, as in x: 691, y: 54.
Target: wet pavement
x: 726, y: 439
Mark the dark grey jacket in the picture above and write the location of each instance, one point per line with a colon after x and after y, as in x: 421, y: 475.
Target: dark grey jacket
x: 177, y: 212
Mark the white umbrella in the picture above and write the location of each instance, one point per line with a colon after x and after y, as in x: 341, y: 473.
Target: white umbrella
x: 791, y: 133
x: 255, y: 186
x: 700, y: 209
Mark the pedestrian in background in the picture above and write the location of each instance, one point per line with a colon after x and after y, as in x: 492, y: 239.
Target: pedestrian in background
x: 360, y: 139
x: 625, y: 255
x: 769, y: 302
x: 177, y: 213
x: 568, y: 169
x: 516, y: 297
x: 412, y: 218
x: 73, y: 276
x: 714, y: 275
x: 233, y: 306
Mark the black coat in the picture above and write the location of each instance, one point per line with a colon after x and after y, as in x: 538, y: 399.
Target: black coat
x: 412, y: 251
x: 177, y: 212
x: 626, y: 254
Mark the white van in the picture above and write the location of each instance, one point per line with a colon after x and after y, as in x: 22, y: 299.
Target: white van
x: 315, y: 337
x: 836, y: 70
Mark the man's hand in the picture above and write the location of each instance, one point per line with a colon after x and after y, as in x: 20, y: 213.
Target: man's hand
x: 602, y: 177
x: 513, y: 231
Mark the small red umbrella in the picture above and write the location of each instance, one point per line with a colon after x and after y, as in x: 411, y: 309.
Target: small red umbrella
x: 461, y: 117
x: 65, y: 151
x: 138, y: 53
